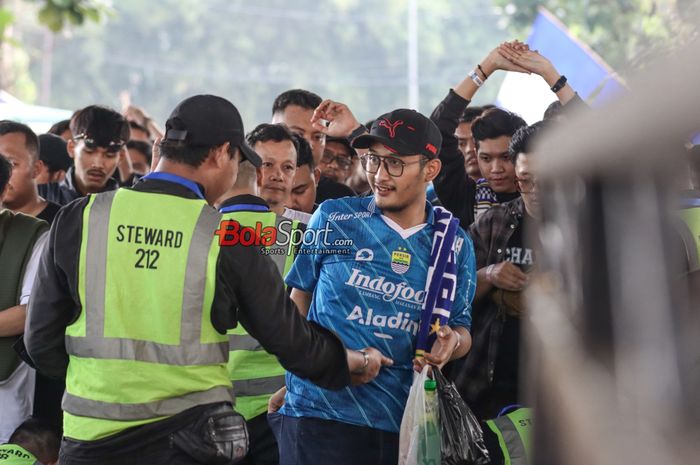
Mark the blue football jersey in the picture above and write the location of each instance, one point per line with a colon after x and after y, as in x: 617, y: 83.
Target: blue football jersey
x: 368, y: 284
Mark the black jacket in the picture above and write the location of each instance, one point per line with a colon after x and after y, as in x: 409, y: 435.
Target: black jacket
x: 249, y: 290
x: 66, y: 191
x: 456, y: 190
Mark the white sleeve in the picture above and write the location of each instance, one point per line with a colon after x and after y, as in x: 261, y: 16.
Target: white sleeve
x: 32, y: 267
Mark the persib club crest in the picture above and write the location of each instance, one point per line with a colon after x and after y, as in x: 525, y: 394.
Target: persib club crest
x: 400, y: 260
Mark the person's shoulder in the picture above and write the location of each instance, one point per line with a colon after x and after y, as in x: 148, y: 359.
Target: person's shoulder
x: 347, y: 205
x: 71, y: 211
x: 21, y: 220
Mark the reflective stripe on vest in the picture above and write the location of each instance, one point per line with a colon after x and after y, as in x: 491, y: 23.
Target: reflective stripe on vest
x: 257, y: 386
x: 256, y: 375
x: 161, y: 408
x: 114, y: 337
x: 189, y: 351
x: 12, y: 454
x: 513, y: 435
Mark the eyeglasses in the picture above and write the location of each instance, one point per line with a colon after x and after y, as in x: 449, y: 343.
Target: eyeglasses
x: 343, y: 162
x: 393, y: 165
x: 527, y: 185
x: 114, y: 146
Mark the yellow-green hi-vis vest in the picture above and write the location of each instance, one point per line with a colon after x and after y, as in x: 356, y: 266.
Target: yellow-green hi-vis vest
x: 513, y: 432
x: 143, y: 347
x: 256, y: 374
x: 12, y: 454
x: 691, y: 232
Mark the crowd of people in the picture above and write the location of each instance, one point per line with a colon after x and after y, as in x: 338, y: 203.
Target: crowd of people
x: 199, y: 294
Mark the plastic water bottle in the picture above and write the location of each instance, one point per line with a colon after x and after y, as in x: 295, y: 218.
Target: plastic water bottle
x: 430, y: 441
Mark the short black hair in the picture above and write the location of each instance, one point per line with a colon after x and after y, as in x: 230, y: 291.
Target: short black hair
x: 60, y: 127
x: 31, y: 140
x: 141, y: 146
x: 470, y: 114
x: 137, y: 126
x: 181, y: 152
x: 494, y: 123
x: 304, y: 154
x: 553, y: 110
x: 525, y: 138
x: 5, y: 172
x: 300, y: 97
x: 38, y: 438
x: 271, y: 132
x: 100, y: 123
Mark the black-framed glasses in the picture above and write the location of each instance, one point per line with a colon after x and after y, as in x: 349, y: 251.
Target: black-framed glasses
x: 527, y: 185
x: 393, y: 165
x: 114, y: 146
x: 343, y: 162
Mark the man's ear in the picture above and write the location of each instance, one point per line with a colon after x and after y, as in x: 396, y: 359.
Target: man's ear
x: 36, y: 169
x: 70, y: 148
x: 317, y: 175
x: 258, y: 177
x: 432, y: 169
x: 220, y: 155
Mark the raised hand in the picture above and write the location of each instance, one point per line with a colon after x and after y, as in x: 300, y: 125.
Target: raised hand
x: 495, y: 60
x: 530, y: 60
x: 341, y: 121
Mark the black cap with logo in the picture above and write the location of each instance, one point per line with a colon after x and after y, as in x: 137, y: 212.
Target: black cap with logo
x: 208, y: 121
x: 404, y: 132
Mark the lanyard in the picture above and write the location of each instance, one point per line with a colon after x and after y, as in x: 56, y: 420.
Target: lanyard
x: 188, y: 183
x: 244, y: 207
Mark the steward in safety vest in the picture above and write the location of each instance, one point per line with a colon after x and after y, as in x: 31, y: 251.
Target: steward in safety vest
x: 137, y: 295
x: 508, y: 437
x: 12, y: 454
x: 34, y: 442
x: 256, y: 374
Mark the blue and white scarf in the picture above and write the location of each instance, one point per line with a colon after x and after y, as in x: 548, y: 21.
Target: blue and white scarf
x: 441, y: 282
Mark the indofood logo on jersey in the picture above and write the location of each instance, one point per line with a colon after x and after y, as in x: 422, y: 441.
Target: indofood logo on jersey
x: 389, y: 291
x: 400, y: 260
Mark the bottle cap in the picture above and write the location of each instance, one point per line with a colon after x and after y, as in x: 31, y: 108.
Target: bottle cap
x: 430, y: 385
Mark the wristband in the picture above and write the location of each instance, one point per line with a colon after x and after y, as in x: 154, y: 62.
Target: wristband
x: 486, y: 76
x: 559, y: 85
x: 475, y: 77
x: 357, y: 132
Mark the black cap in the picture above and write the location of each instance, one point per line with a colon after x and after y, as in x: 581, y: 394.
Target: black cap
x: 208, y: 121
x: 404, y: 132
x: 53, y: 152
x: 344, y: 141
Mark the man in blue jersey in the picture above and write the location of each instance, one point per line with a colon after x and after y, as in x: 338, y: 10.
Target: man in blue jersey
x: 373, y: 295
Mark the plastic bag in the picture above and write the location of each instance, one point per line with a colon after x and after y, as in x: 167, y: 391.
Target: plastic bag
x: 462, y: 436
x: 419, y: 439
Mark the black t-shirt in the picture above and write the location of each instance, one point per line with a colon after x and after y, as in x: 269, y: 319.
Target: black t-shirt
x: 329, y: 189
x: 504, y: 197
x: 505, y: 379
x: 517, y: 252
x: 49, y: 212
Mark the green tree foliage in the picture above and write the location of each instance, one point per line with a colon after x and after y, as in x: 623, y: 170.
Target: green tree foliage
x: 56, y: 13
x: 349, y: 50
x: 628, y: 34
